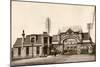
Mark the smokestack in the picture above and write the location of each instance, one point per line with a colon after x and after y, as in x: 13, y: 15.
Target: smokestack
x: 48, y: 32
x: 89, y: 26
x: 48, y: 25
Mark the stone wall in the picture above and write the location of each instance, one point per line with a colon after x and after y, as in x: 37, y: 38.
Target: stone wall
x: 15, y: 52
x: 23, y: 52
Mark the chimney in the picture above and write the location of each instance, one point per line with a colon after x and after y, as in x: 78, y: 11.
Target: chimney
x: 48, y: 25
x: 89, y: 27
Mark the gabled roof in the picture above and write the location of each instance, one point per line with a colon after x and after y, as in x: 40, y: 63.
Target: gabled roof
x: 73, y: 28
x: 69, y: 30
x: 18, y: 41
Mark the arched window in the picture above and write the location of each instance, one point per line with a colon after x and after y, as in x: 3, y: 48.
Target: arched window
x: 32, y: 39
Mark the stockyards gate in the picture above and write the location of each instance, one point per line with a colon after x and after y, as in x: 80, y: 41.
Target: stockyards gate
x: 73, y: 42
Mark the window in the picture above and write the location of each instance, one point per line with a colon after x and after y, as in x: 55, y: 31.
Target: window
x: 37, y: 49
x: 67, y: 47
x: 19, y: 51
x: 32, y: 39
x: 45, y: 40
x: 27, y: 50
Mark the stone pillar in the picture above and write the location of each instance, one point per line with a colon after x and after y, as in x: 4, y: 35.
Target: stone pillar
x: 42, y: 44
x: 15, y: 52
x: 63, y: 49
x: 40, y: 50
x: 34, y: 51
x: 78, y: 49
x: 90, y: 49
x: 48, y: 52
x: 30, y: 51
x: 23, y: 52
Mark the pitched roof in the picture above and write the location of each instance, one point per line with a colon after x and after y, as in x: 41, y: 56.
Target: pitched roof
x: 27, y: 41
x: 38, y: 39
x: 18, y: 42
x: 73, y: 28
x: 69, y: 30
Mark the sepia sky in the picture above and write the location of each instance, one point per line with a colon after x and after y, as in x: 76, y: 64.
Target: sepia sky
x: 32, y: 17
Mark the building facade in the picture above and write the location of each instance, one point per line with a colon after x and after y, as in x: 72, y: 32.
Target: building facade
x: 38, y: 45
x: 33, y: 45
x: 73, y: 42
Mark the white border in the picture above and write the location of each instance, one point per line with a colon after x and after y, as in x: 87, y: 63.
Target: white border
x: 5, y: 33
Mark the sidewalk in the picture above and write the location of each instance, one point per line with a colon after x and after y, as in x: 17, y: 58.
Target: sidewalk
x: 55, y: 59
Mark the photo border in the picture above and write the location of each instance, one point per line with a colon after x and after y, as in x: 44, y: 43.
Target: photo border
x: 46, y: 3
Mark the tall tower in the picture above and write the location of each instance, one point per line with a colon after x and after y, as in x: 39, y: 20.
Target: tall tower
x: 48, y: 23
x: 23, y: 38
x: 48, y: 32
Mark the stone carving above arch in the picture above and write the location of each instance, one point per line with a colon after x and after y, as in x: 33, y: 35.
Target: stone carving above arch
x: 70, y: 41
x: 76, y: 37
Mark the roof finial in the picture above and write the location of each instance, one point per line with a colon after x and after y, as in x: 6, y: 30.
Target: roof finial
x: 23, y: 34
x: 23, y: 39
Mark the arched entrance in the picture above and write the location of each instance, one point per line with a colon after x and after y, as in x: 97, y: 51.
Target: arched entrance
x: 70, y: 46
x: 45, y: 50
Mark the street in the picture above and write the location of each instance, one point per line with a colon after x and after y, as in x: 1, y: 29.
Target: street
x: 54, y: 59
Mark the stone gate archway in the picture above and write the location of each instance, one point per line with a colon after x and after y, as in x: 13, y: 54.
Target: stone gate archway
x: 70, y: 44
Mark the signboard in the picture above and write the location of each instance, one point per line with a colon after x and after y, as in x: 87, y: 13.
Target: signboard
x: 54, y: 42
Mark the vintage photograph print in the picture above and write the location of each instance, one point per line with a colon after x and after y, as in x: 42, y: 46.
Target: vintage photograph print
x: 52, y: 33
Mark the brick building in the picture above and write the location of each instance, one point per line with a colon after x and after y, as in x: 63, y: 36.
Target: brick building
x: 73, y: 42
x: 70, y: 41
x: 38, y: 45
x: 33, y: 45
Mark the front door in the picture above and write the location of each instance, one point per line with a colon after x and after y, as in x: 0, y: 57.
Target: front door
x: 45, y: 50
x: 38, y: 50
